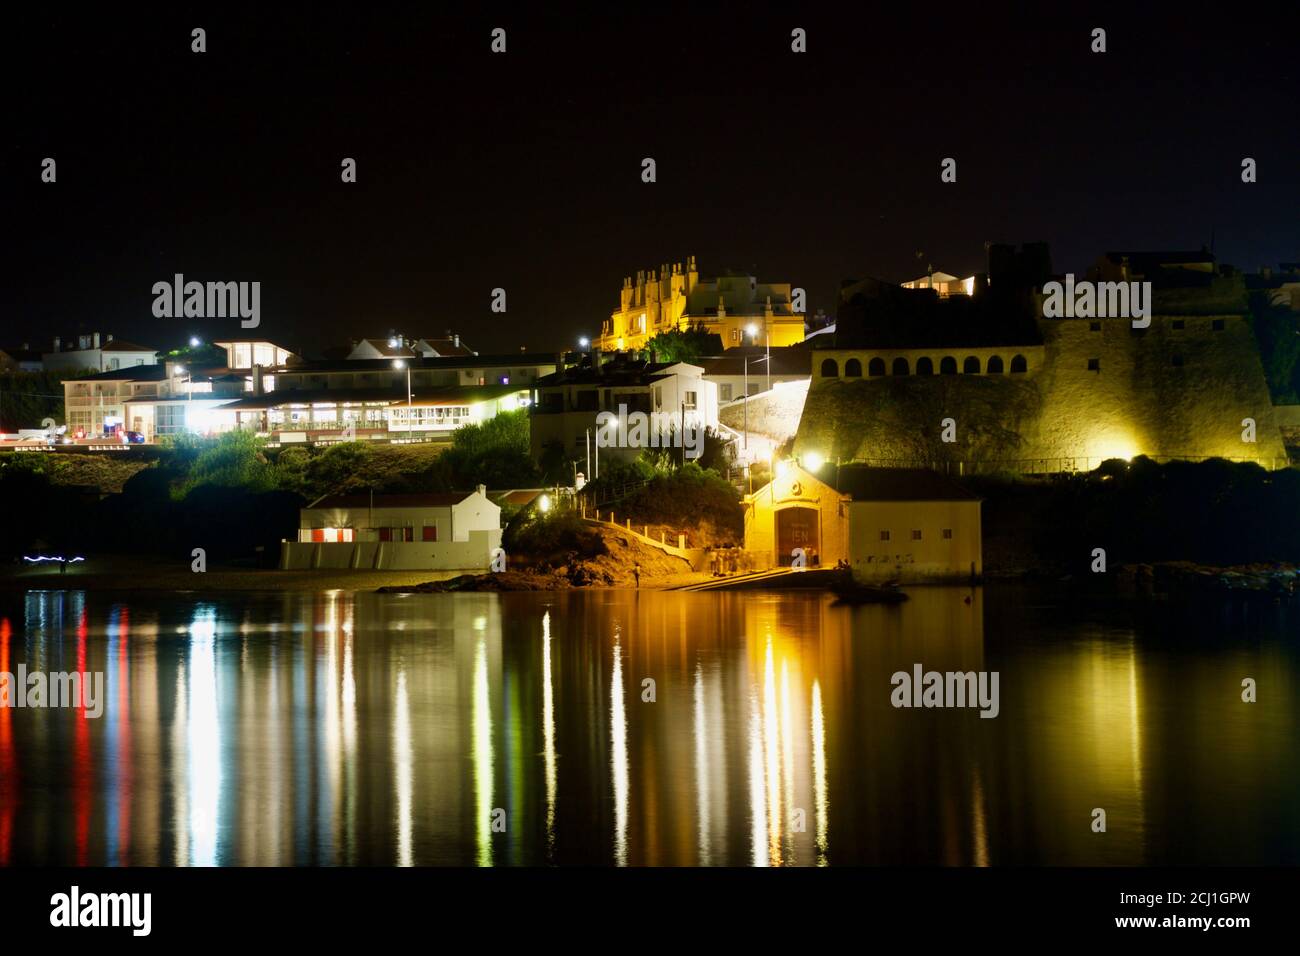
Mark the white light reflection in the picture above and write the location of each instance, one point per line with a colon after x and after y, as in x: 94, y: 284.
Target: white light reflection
x: 402, y: 764
x: 618, y: 755
x: 702, y: 771
x: 203, y: 741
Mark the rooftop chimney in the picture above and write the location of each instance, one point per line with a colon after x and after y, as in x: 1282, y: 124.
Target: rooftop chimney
x: 95, y: 339
x: 595, y: 359
x: 57, y: 342
x: 455, y: 339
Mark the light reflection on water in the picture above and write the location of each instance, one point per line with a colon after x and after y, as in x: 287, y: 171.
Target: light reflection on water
x: 504, y: 729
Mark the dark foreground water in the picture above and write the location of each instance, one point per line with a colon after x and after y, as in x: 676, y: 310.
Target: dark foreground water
x: 342, y: 728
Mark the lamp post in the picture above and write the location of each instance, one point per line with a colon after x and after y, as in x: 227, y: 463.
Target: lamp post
x: 401, y: 363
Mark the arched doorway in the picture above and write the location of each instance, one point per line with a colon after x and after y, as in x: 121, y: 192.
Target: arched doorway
x: 797, y: 528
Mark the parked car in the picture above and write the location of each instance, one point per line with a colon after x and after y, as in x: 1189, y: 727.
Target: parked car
x: 133, y: 438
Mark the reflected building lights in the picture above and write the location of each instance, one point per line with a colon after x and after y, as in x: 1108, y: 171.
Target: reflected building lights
x: 771, y: 757
x: 548, y: 733
x: 618, y: 754
x: 203, y: 742
x: 757, y: 798
x: 821, y: 802
x: 702, y: 772
x: 787, y: 757
x: 9, y: 781
x: 402, y: 768
x: 482, y: 746
x: 981, y: 840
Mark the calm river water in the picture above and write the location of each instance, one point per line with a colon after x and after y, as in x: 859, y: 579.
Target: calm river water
x: 335, y: 727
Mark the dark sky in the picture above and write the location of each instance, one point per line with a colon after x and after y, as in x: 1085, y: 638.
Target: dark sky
x: 523, y: 170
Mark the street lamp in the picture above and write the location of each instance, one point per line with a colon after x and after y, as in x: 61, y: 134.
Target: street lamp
x: 195, y: 342
x: 584, y: 342
x: 400, y: 364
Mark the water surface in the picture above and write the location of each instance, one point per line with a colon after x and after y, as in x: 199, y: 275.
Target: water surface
x: 334, y: 727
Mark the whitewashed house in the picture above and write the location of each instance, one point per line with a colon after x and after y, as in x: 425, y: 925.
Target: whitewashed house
x: 437, y: 531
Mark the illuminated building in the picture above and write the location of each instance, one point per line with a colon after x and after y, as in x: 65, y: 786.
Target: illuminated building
x: 889, y: 524
x: 453, y: 530
x: 567, y: 406
x: 1028, y: 393
x: 727, y: 306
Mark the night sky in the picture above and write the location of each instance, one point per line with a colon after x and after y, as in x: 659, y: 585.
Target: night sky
x: 523, y: 170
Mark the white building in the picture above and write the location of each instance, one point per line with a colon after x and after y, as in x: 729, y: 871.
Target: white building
x: 457, y: 531
x: 152, y: 400
x: 745, y: 370
x: 414, y: 398
x: 943, y: 283
x: 566, y: 405
x: 103, y: 353
x: 399, y: 346
x: 250, y: 353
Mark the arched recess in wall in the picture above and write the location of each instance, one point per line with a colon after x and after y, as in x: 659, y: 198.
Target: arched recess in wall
x: 971, y: 366
x: 1018, y: 364
x: 924, y: 365
x: 830, y: 368
x: 900, y: 366
x: 995, y: 365
x: 876, y: 366
x: 947, y: 365
x: 853, y: 369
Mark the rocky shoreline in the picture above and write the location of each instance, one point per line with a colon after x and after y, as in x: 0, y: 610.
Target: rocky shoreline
x: 1275, y: 580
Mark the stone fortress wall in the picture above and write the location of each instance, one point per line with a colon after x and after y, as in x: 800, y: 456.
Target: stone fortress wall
x: 1093, y: 389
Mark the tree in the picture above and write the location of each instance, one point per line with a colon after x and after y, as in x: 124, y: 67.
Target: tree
x: 685, y: 345
x: 233, y: 460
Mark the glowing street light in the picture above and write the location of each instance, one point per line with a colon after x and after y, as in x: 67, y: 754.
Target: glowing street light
x: 400, y: 364
x: 544, y: 504
x: 195, y: 341
x: 583, y: 342
x: 812, y: 461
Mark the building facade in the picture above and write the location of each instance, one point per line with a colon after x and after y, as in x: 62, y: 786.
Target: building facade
x: 888, y: 524
x: 1049, y: 394
x: 738, y: 308
x: 569, y: 406
x: 96, y: 351
x: 440, y: 531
